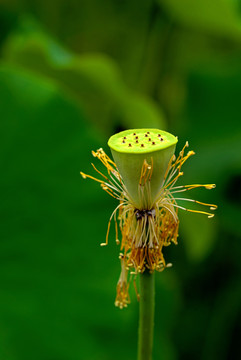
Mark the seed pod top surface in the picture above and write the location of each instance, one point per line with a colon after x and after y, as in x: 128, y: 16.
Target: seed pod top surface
x: 142, y: 141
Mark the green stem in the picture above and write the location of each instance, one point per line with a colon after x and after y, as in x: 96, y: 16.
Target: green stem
x: 146, y: 316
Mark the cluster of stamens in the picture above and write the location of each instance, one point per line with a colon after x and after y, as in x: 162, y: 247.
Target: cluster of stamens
x: 145, y: 230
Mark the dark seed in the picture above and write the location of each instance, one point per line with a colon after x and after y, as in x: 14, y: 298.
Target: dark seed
x: 136, y: 137
x: 161, y: 139
x: 134, y: 133
x: 123, y: 142
x: 148, y: 132
x: 137, y: 141
x: 146, y: 135
x: 124, y: 137
x: 153, y: 143
x: 142, y: 145
x: 159, y: 135
x: 129, y: 145
x: 149, y: 139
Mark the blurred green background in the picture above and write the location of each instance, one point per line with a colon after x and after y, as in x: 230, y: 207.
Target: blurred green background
x: 71, y: 74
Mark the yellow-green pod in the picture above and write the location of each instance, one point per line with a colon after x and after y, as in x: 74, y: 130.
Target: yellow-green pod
x: 131, y: 148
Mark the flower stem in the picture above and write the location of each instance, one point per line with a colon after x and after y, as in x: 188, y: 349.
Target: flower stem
x: 146, y: 315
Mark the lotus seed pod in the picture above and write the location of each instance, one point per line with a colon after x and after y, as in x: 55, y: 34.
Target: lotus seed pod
x: 130, y: 149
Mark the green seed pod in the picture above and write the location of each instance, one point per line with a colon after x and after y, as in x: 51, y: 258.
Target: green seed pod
x: 130, y: 149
